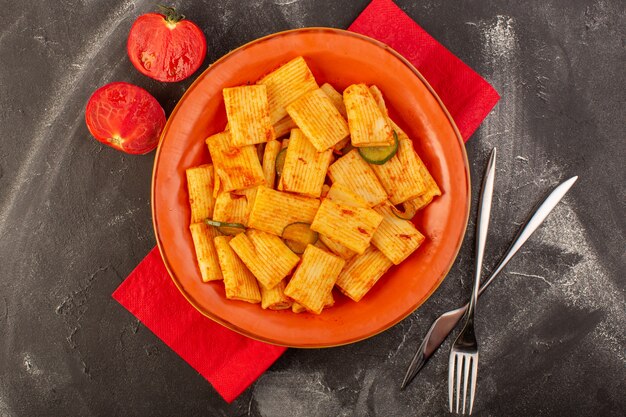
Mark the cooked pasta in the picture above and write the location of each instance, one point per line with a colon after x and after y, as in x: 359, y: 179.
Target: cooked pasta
x: 299, y: 196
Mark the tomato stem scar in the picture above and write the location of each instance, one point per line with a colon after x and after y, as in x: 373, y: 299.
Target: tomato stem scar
x: 171, y: 15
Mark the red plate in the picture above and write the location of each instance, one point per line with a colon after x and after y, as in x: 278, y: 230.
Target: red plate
x: 340, y: 58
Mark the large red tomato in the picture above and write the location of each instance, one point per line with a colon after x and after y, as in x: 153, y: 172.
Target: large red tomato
x: 125, y: 117
x: 166, y: 47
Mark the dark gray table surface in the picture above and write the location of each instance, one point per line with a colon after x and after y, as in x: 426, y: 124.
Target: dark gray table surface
x: 75, y: 220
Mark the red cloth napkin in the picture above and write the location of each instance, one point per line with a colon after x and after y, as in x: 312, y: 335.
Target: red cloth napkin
x: 229, y: 361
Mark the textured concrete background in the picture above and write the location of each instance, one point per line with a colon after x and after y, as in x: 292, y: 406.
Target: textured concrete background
x: 75, y: 220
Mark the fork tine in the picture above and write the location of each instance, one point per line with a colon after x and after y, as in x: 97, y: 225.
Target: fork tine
x: 466, y: 369
x: 451, y: 378
x: 474, y: 378
x: 460, y: 363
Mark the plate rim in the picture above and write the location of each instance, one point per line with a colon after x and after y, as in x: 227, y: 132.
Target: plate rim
x: 195, y: 83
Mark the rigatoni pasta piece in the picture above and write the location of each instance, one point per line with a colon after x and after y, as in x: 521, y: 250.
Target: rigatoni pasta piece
x: 395, y: 237
x: 269, y: 162
x: 401, y: 176
x: 275, y: 298
x: 299, y: 308
x: 425, y: 199
x: 351, y: 226
x: 248, y: 114
x: 231, y: 208
x: 336, y: 248
x: 314, y: 278
x: 330, y: 300
x: 265, y: 255
x: 380, y: 101
x: 336, y: 97
x: 352, y: 171
x: 208, y: 263
x: 200, y: 186
x: 362, y: 272
x: 341, y: 193
x: 284, y: 126
x: 316, y: 115
x: 305, y: 168
x: 368, y: 125
x: 238, y: 168
x: 286, y: 84
x: 432, y: 189
x: 239, y: 282
x: 274, y: 210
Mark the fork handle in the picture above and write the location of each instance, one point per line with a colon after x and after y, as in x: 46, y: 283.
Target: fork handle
x: 482, y: 225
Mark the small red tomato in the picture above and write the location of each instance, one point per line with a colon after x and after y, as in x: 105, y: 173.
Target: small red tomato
x: 166, y: 47
x: 125, y: 117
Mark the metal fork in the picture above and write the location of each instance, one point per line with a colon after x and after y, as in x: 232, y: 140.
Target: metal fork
x: 464, y: 353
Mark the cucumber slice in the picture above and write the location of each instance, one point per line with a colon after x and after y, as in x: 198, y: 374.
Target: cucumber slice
x: 280, y: 161
x: 228, y: 229
x: 300, y: 232
x: 378, y: 155
x: 296, y: 247
x: 298, y: 235
x: 407, y: 213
